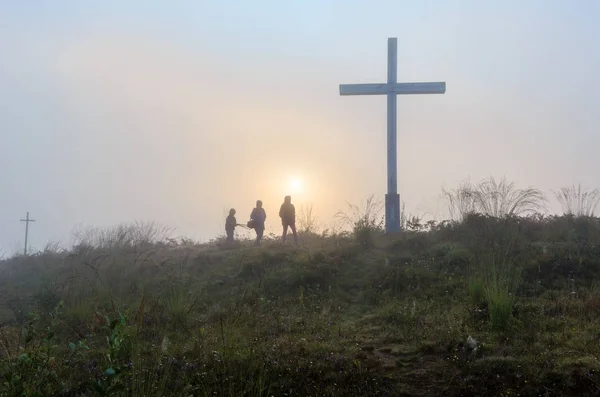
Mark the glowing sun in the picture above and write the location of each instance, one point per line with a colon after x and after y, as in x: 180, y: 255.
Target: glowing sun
x: 296, y: 185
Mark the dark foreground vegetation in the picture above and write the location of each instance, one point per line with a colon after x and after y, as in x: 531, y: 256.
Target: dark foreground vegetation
x: 487, y: 306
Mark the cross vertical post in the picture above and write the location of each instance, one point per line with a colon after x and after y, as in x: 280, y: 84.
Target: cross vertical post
x: 391, y: 89
x: 26, y: 220
x: 392, y: 198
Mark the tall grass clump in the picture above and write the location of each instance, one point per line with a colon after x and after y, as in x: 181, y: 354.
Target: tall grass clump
x: 503, y: 199
x: 366, y: 221
x: 123, y: 236
x: 577, y: 201
x: 501, y: 279
x: 179, y: 304
x: 307, y: 220
x: 477, y: 291
x: 461, y: 201
x: 495, y: 199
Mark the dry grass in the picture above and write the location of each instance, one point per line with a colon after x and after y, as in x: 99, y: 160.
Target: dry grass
x: 461, y: 201
x: 492, y: 198
x: 578, y: 201
x: 368, y: 215
x: 307, y: 220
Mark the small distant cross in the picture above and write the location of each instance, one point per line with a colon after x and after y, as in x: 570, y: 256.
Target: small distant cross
x: 26, y: 220
x: 391, y: 89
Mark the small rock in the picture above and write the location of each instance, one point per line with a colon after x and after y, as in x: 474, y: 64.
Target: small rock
x: 472, y: 343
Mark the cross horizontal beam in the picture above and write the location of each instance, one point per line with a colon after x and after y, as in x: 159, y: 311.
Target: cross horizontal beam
x: 395, y: 88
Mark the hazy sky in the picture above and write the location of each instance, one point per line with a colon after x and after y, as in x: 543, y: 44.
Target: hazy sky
x: 117, y: 111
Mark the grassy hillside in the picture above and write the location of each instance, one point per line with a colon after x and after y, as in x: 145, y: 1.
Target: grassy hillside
x: 486, y: 306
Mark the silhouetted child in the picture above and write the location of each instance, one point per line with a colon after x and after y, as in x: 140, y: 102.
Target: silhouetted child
x: 230, y: 224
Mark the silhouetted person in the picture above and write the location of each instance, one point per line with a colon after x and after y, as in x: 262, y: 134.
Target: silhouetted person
x: 230, y: 224
x: 287, y: 213
x: 258, y: 217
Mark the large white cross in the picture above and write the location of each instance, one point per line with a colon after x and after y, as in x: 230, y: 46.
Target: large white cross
x: 391, y: 89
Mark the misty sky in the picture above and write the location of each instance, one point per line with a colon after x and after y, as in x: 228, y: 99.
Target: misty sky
x: 174, y: 112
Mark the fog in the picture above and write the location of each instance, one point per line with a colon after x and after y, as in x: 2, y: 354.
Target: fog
x: 175, y: 114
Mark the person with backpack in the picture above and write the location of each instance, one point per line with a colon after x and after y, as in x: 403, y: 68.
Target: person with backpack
x: 257, y: 221
x: 287, y: 213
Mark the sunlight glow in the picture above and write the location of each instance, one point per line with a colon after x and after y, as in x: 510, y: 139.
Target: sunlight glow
x: 296, y: 185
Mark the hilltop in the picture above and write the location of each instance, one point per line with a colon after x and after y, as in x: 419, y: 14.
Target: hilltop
x: 486, y: 306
